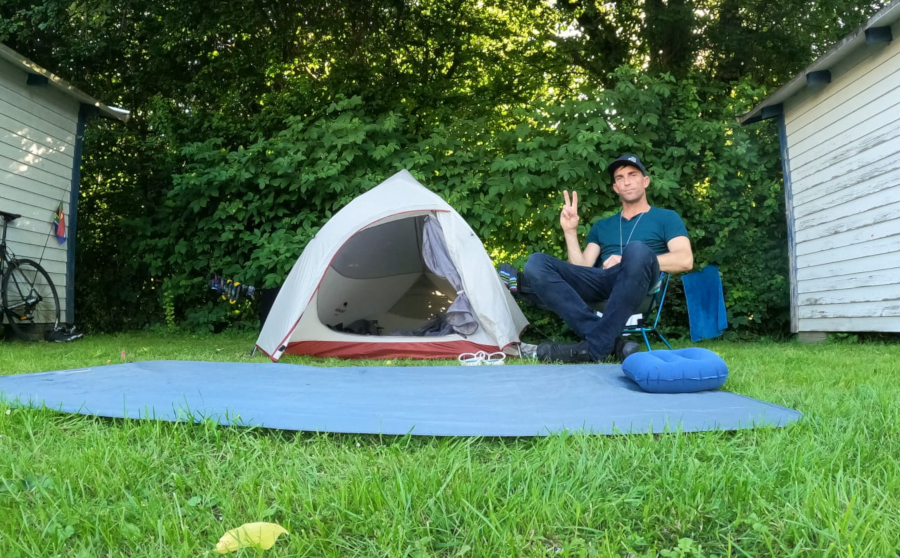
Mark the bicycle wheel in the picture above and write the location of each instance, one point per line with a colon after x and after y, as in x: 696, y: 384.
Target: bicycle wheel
x: 29, y: 297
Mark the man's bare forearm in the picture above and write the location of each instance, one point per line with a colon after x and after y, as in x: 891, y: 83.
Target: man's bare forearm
x: 676, y: 262
x: 573, y: 247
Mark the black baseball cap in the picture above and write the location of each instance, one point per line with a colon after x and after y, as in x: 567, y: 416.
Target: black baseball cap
x: 625, y: 160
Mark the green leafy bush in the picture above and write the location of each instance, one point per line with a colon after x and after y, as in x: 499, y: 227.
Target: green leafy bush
x: 247, y: 211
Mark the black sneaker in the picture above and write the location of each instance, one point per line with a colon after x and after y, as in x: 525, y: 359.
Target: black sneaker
x: 625, y: 348
x: 569, y: 353
x: 62, y: 335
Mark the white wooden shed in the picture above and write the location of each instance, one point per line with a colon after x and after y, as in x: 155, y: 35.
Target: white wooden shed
x: 839, y: 125
x: 42, y: 120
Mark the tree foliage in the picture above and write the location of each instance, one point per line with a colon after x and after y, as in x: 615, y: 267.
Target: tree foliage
x: 253, y: 122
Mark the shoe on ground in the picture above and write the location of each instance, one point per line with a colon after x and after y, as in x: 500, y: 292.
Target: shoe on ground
x: 625, y: 348
x: 568, y: 353
x: 577, y: 353
x: 63, y: 335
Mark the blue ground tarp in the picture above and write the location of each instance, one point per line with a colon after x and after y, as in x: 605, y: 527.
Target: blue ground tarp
x: 508, y: 400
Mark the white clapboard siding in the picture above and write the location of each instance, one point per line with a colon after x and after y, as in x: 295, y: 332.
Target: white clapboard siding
x: 27, y: 120
x: 888, y: 324
x: 850, y: 281
x: 26, y: 184
x: 828, y: 213
x: 884, y: 155
x: 844, y: 123
x: 872, y: 186
x: 39, y: 253
x: 854, y: 84
x: 55, y: 268
x: 827, y: 117
x: 22, y: 239
x: 25, y: 100
x: 13, y: 157
x: 32, y: 230
x: 59, y: 279
x: 850, y: 253
x: 889, y: 213
x: 849, y: 238
x: 850, y: 156
x: 866, y: 121
x: 846, y: 267
x: 37, y: 145
x: 8, y: 137
x: 873, y: 309
x: 64, y: 145
x: 22, y: 166
x: 875, y: 171
x: 885, y: 293
x: 32, y: 216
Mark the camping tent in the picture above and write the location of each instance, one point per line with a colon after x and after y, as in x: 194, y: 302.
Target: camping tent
x: 396, y: 262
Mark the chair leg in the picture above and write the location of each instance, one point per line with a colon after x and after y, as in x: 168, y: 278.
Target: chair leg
x: 646, y: 340
x: 661, y: 336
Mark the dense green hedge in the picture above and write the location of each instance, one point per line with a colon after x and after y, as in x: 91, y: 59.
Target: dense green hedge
x: 248, y: 210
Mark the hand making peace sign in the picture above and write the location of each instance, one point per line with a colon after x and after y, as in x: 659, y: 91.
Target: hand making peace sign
x: 568, y: 218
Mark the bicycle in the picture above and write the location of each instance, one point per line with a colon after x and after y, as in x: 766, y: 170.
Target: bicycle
x: 28, y: 294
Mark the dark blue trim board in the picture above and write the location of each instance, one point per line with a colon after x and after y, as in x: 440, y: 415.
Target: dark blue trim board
x: 789, y: 210
x: 84, y: 111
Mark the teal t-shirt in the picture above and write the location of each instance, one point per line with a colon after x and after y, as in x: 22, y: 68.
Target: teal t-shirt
x: 655, y: 229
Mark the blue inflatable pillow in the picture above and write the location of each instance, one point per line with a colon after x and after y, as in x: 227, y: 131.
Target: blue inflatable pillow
x: 681, y: 371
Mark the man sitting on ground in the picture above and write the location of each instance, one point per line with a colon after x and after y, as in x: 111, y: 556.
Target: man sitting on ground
x: 622, y: 259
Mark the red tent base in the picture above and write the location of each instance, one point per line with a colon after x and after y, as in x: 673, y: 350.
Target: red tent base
x: 421, y: 350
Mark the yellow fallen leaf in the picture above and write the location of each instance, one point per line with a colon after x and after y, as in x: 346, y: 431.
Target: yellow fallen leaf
x: 262, y: 535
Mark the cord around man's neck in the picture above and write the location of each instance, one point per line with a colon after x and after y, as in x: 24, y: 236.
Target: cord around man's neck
x: 630, y: 211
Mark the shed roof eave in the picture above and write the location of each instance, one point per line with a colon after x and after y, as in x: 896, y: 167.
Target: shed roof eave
x: 57, y: 82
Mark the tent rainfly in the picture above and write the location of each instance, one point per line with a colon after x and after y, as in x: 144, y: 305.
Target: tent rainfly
x: 397, y: 273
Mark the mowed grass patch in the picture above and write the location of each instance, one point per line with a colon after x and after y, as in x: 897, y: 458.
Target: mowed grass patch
x: 82, y: 486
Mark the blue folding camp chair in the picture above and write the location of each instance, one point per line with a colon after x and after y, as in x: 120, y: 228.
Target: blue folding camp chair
x: 651, y: 307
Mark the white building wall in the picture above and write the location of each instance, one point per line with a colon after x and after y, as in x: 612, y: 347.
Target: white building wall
x: 37, y: 144
x: 843, y: 143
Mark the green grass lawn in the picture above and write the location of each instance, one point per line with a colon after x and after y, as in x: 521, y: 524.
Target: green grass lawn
x: 828, y: 486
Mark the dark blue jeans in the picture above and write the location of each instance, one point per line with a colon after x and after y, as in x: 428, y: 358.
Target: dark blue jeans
x: 568, y: 290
